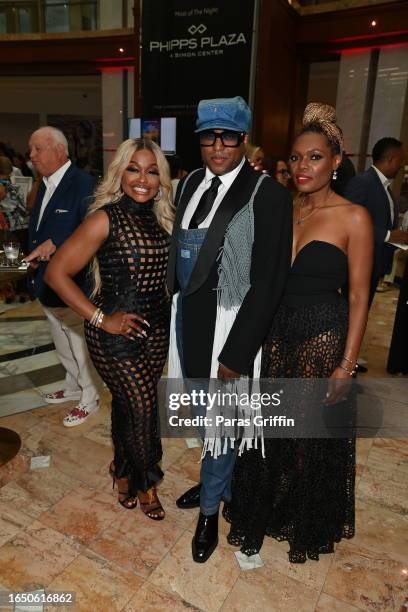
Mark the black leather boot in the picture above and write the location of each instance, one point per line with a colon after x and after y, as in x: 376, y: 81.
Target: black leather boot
x: 205, y: 538
x: 190, y: 499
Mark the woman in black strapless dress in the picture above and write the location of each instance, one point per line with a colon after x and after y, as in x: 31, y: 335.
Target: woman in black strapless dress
x: 303, y: 490
x: 126, y: 323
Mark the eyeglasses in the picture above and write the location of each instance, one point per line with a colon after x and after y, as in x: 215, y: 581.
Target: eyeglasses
x: 228, y: 138
x: 283, y: 172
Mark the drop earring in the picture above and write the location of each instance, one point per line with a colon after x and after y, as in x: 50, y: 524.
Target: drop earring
x: 158, y: 195
x: 334, y: 177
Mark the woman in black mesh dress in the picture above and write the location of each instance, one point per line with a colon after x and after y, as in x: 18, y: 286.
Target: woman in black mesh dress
x: 303, y: 490
x: 126, y: 236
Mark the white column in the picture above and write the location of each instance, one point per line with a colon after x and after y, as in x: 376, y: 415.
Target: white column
x: 131, y: 93
x: 130, y: 16
x: 390, y: 95
x: 110, y: 14
x: 112, y: 112
x: 113, y: 108
x: 351, y: 98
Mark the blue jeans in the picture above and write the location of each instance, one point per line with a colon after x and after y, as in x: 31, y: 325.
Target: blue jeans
x: 216, y: 474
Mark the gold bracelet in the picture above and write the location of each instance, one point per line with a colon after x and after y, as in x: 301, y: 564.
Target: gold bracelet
x: 352, y: 363
x: 97, y: 318
x: 350, y: 372
x: 94, y: 316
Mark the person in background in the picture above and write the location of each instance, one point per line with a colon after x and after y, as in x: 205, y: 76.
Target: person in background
x: 7, y: 151
x: 255, y: 155
x: 176, y: 171
x: 13, y: 225
x: 63, y: 195
x: 345, y: 172
x: 372, y: 189
x: 278, y: 169
x: 126, y: 235
x: 20, y: 163
x: 398, y: 354
x: 11, y: 203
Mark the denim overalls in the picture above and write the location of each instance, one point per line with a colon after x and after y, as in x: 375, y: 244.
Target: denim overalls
x: 188, y: 247
x: 216, y: 474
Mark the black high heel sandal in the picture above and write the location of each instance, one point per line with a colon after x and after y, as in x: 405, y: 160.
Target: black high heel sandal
x: 151, y: 507
x: 129, y: 502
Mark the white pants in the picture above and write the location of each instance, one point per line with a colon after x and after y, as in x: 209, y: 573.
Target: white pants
x: 67, y: 330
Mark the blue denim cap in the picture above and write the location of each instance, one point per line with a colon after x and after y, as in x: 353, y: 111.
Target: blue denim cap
x: 223, y: 113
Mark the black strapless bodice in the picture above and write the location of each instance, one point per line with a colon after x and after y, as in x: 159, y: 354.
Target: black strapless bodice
x: 319, y: 270
x: 302, y: 491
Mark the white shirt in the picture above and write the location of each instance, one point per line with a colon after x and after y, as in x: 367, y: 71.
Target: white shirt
x: 226, y: 182
x: 386, y: 183
x: 51, y: 183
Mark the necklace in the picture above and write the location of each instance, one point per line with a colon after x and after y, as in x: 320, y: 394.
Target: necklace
x: 301, y: 219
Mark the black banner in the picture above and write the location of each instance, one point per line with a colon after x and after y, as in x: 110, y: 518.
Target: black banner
x: 193, y: 49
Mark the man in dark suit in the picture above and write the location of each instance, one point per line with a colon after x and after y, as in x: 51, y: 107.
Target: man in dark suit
x: 229, y: 258
x: 372, y: 190
x: 61, y: 203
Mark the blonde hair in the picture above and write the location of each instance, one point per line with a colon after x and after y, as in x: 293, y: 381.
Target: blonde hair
x: 321, y: 118
x: 109, y: 191
x: 251, y: 150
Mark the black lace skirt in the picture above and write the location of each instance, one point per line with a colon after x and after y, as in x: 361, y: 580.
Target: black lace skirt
x: 303, y: 491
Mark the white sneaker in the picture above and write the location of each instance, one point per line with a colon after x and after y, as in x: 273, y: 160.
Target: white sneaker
x: 80, y: 413
x: 58, y: 397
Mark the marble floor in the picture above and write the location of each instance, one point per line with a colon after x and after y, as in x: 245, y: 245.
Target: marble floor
x: 61, y: 528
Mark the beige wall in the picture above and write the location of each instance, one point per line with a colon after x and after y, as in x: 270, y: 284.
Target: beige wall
x: 25, y: 103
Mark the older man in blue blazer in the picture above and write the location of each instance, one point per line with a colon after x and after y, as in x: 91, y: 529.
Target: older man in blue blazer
x: 372, y: 190
x: 62, y: 199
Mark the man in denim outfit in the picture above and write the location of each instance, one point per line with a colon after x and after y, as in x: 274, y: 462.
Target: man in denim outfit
x: 214, y: 204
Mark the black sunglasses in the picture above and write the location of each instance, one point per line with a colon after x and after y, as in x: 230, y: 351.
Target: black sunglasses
x: 228, y: 138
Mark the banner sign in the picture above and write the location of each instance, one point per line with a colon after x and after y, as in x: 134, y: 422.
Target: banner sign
x: 193, y: 50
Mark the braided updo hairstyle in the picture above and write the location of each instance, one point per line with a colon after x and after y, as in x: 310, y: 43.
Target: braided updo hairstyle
x: 321, y: 119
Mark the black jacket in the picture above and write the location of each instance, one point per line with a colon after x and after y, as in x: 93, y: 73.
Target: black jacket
x: 366, y: 189
x: 270, y: 265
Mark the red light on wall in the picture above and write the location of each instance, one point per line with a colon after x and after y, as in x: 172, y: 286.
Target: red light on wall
x: 115, y: 68
x: 368, y: 36
x: 370, y: 48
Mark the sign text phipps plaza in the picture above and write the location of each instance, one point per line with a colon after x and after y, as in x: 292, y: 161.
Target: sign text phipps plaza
x: 198, y: 42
